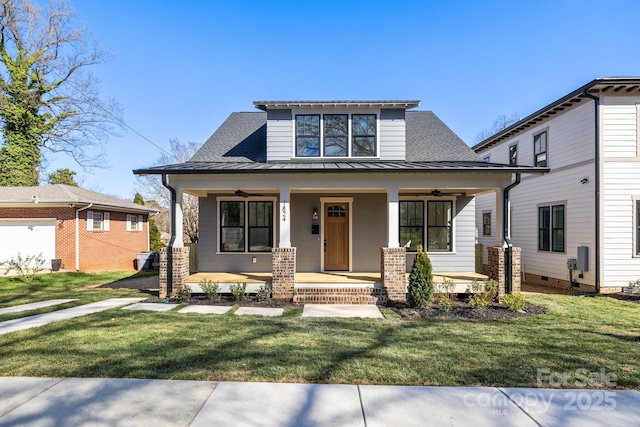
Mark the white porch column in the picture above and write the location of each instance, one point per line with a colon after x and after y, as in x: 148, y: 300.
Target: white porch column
x: 498, y: 215
x: 394, y: 218
x: 284, y: 213
x: 178, y: 242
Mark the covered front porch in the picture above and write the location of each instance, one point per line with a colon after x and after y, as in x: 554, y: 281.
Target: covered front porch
x: 333, y: 287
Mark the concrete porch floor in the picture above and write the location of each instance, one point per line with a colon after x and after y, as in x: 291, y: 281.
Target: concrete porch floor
x: 328, y: 278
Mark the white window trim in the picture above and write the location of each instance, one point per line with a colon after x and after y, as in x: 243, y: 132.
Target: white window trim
x: 349, y: 155
x: 515, y: 144
x: 105, y: 221
x: 139, y: 225
x: 327, y: 201
x: 426, y: 199
x: 246, y: 222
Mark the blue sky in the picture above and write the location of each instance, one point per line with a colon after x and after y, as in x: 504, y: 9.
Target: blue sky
x: 180, y: 68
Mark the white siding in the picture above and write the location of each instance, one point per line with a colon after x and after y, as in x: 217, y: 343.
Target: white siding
x: 571, y: 157
x: 279, y: 135
x: 619, y: 130
x: 392, y: 138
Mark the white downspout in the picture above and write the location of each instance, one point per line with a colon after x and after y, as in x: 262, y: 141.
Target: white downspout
x: 78, y: 236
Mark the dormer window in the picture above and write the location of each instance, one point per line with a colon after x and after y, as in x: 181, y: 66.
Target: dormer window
x: 336, y: 135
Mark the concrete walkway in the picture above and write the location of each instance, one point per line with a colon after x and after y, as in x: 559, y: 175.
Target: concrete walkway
x: 34, y: 305
x: 68, y: 313
x: 47, y: 402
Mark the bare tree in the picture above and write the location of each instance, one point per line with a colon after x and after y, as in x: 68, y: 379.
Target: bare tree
x: 500, y: 123
x: 48, y: 100
x: 153, y: 190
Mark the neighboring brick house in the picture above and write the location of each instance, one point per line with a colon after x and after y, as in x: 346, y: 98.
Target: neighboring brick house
x: 331, y: 186
x: 87, y: 231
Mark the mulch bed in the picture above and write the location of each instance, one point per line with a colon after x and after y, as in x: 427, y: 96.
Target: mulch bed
x: 461, y: 310
x: 227, y: 300
x: 634, y: 298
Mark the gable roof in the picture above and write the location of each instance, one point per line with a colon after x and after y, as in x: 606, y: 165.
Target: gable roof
x: 601, y: 86
x: 243, y: 138
x: 61, y: 194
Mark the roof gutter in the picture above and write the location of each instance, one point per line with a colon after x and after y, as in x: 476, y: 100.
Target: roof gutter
x: 596, y: 101
x: 78, y: 235
x: 172, y: 232
x: 508, y: 263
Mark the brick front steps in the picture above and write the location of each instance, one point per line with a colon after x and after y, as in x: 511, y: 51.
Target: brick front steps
x: 339, y: 294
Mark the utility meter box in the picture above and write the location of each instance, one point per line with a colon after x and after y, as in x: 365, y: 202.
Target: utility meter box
x: 583, y: 258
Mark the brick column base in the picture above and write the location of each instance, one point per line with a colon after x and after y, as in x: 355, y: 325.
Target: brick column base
x: 496, y: 268
x: 180, y: 270
x: 283, y: 272
x: 393, y: 272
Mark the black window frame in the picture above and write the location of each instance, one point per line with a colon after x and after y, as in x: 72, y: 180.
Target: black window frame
x: 326, y: 135
x: 310, y: 136
x: 242, y: 225
x: 486, y: 223
x: 513, y: 154
x: 267, y: 212
x: 409, y: 227
x: 355, y: 135
x: 637, y: 233
x: 551, y: 235
x: 538, y: 153
x: 448, y: 226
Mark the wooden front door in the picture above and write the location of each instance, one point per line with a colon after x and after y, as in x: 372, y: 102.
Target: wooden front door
x: 336, y: 236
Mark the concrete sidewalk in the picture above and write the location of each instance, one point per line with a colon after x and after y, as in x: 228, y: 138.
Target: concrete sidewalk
x: 133, y: 402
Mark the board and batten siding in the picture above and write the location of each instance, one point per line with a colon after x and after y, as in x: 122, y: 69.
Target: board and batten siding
x: 621, y: 186
x: 393, y: 137
x: 571, y: 156
x: 279, y: 135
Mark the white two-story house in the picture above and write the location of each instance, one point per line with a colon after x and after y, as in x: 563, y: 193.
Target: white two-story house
x: 578, y: 225
x: 333, y: 187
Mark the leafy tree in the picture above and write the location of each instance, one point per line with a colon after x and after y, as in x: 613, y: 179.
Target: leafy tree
x: 154, y: 233
x: 151, y: 186
x: 499, y: 123
x: 47, y: 99
x: 421, y: 281
x: 63, y: 176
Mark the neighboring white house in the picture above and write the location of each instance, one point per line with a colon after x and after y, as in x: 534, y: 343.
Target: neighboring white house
x: 585, y: 213
x: 322, y: 186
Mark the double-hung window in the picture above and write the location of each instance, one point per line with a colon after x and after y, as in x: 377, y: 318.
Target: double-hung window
x: 513, y: 155
x: 551, y: 228
x: 411, y: 224
x: 134, y: 222
x: 437, y: 224
x: 98, y: 221
x: 336, y: 135
x: 540, y: 149
x: 308, y: 135
x: 486, y: 223
x: 246, y: 224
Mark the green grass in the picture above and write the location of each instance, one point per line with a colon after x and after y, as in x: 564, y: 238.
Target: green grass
x: 589, y: 333
x: 66, y: 285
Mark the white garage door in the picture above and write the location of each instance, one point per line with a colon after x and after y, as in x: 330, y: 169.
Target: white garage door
x: 28, y: 237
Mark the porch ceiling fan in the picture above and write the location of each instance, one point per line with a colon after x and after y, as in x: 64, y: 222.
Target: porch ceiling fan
x: 244, y: 194
x: 438, y: 193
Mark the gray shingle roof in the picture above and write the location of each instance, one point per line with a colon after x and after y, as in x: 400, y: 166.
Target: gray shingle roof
x: 242, y: 137
x: 67, y: 194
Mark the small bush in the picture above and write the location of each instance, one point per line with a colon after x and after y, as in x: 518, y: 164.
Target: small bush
x: 238, y: 291
x: 421, y: 281
x: 484, y: 293
x: 444, y: 302
x: 210, y: 288
x: 514, y: 302
x: 27, y: 267
x: 184, y: 293
x: 477, y: 302
x: 264, y: 293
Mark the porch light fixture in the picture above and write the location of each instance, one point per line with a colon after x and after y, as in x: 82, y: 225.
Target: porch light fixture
x: 314, y: 215
x: 436, y: 193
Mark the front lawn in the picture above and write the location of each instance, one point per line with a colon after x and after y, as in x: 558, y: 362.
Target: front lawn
x: 593, y: 334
